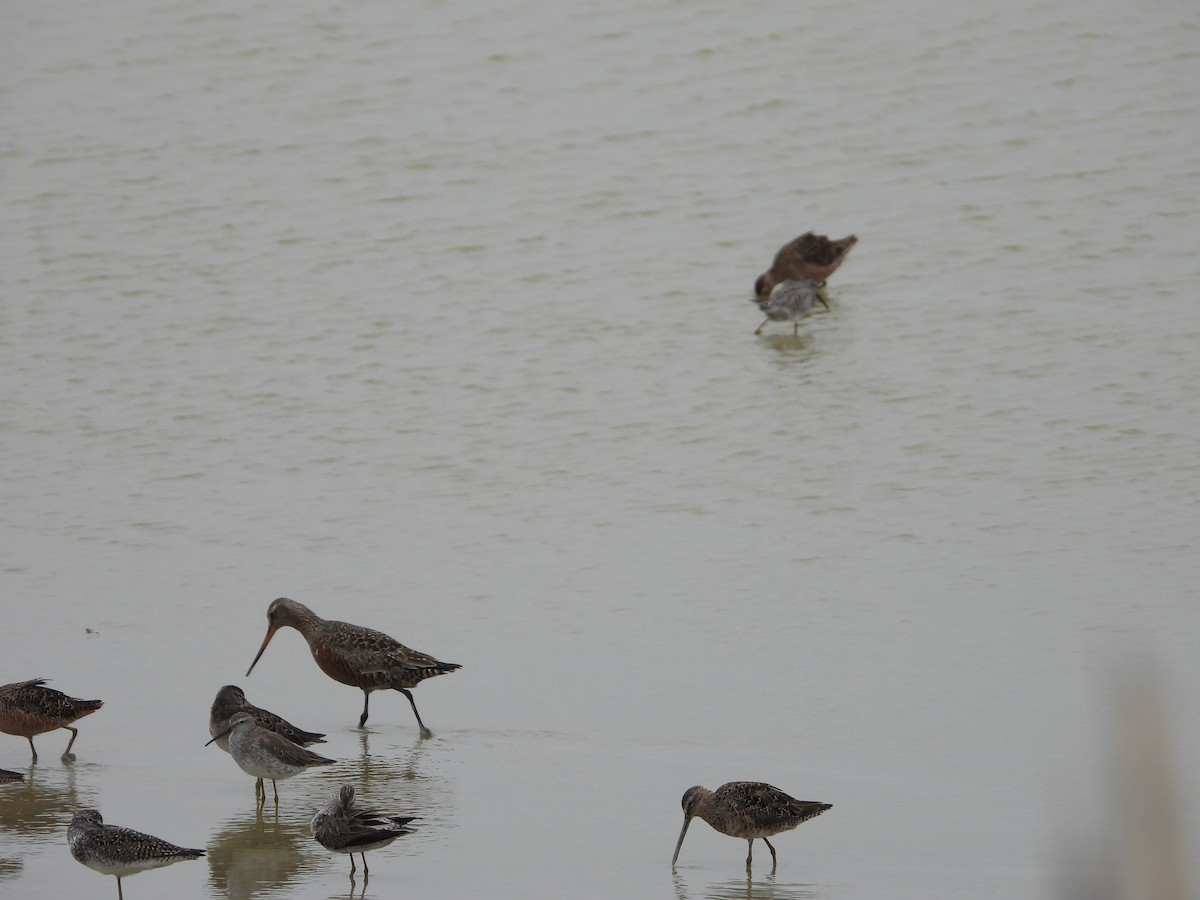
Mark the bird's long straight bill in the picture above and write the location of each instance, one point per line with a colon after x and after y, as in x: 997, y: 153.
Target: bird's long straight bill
x: 258, y: 656
x: 686, y: 822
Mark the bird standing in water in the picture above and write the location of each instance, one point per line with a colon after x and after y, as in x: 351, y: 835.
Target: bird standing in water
x: 342, y: 827
x: 352, y: 654
x: 265, y: 754
x: 790, y: 301
x: 748, y: 810
x: 29, y: 708
x: 113, y: 850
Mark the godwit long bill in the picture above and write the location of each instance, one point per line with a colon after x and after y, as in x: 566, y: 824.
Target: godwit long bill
x: 113, y: 850
x: 360, y: 657
x: 748, y: 810
x: 28, y: 708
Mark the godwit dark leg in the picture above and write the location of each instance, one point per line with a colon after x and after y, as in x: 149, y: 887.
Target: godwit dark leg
x: 749, y: 852
x: 425, y: 732
x: 67, y: 757
x: 120, y: 893
x: 32, y: 749
x: 771, y: 847
x: 366, y: 701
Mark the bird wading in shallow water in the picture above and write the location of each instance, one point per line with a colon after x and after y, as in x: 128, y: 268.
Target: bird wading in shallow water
x: 809, y: 256
x: 28, y: 708
x: 265, y: 754
x: 342, y: 827
x: 360, y: 657
x: 747, y: 810
x: 788, y: 301
x: 113, y: 850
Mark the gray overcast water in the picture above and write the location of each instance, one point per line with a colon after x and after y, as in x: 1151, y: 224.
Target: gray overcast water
x: 436, y: 318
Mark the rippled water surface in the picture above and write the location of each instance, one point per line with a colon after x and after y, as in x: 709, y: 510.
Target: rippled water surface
x: 436, y: 319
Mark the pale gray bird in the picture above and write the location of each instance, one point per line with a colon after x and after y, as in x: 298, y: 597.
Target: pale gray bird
x: 788, y: 301
x: 265, y: 754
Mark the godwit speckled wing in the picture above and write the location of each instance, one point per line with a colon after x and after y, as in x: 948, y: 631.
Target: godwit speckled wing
x: 355, y: 655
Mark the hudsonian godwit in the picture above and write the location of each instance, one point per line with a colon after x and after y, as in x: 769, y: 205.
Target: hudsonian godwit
x: 748, y: 810
x: 788, y: 301
x: 360, y: 657
x: 231, y: 699
x: 28, y: 708
x: 809, y: 256
x: 113, y: 850
x: 342, y: 827
x: 265, y: 754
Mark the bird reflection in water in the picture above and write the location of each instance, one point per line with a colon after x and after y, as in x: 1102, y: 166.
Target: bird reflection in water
x: 258, y: 857
x: 34, y: 806
x: 748, y: 888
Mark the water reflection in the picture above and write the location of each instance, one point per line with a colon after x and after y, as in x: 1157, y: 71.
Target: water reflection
x: 747, y: 888
x: 41, y: 805
x: 257, y: 856
x: 10, y: 868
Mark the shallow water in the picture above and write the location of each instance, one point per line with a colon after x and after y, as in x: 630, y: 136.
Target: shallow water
x: 438, y: 323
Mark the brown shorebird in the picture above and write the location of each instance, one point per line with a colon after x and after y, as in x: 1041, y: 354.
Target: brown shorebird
x: 354, y: 655
x: 230, y: 700
x: 808, y: 256
x: 342, y: 827
x: 6, y: 775
x: 265, y: 754
x: 788, y: 301
x: 748, y: 810
x: 113, y: 850
x: 28, y: 708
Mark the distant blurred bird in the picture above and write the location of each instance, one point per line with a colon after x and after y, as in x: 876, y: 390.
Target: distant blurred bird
x: 231, y: 699
x: 342, y: 827
x: 746, y: 809
x: 790, y: 301
x: 113, y: 850
x: 28, y: 708
x: 809, y: 256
